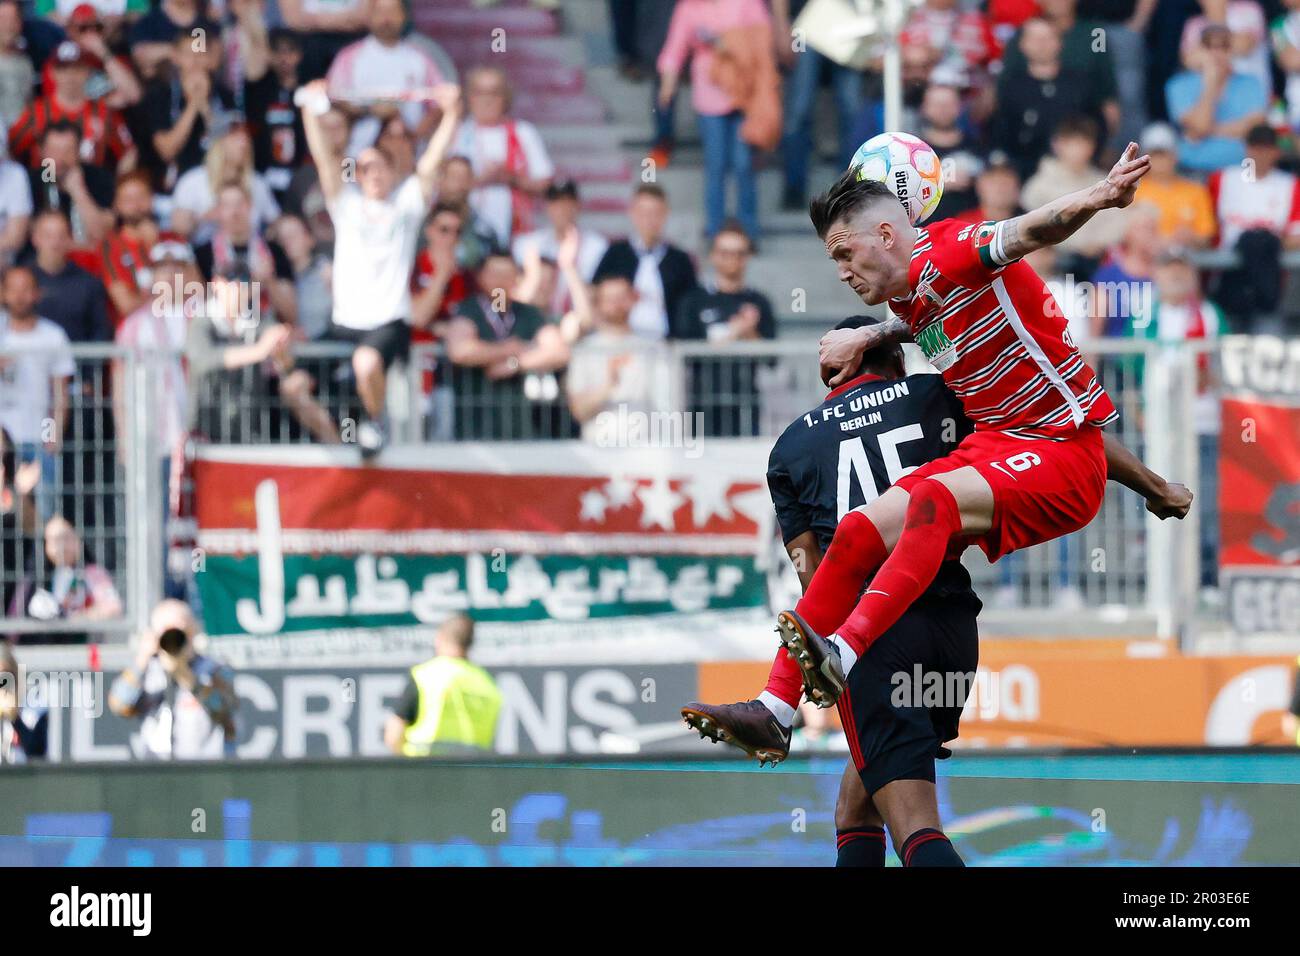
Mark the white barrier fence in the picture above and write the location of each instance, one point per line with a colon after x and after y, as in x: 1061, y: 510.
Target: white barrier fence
x: 111, y: 472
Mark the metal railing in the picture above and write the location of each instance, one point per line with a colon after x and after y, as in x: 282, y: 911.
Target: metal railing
x: 111, y: 476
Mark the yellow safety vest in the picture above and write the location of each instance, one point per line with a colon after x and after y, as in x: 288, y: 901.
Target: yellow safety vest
x: 459, y: 703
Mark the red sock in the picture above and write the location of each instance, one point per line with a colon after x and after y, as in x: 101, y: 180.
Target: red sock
x: 784, y: 679
x: 933, y: 518
x: 856, y: 550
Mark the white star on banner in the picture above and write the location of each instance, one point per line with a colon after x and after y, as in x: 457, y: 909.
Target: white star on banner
x: 658, y: 502
x: 593, y: 506
x: 708, y: 494
x: 754, y: 505
x: 619, y: 491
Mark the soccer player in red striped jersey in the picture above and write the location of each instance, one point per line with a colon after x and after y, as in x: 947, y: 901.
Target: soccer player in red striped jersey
x: 1035, y: 466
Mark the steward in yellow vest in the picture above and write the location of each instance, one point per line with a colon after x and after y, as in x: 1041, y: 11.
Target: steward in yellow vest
x: 449, y: 704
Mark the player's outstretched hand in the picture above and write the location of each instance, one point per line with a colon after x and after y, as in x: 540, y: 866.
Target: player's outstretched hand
x: 1118, y: 188
x: 842, y: 349
x: 1174, y: 502
x: 447, y: 98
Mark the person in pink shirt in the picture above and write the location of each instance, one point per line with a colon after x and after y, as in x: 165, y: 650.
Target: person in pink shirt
x: 695, y: 29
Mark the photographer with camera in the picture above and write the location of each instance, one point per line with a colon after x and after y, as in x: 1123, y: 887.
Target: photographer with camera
x: 181, y: 697
x: 24, y: 723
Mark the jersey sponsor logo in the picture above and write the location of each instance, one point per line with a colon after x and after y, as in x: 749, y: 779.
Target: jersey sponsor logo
x: 936, y: 345
x: 925, y: 289
x: 900, y: 190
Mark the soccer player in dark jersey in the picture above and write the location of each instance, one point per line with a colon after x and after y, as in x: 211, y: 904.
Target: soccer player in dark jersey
x: 868, y: 433
x: 871, y: 431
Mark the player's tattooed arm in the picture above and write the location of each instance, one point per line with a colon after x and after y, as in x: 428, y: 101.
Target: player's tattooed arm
x: 843, y: 349
x: 1165, y: 499
x: 1061, y: 218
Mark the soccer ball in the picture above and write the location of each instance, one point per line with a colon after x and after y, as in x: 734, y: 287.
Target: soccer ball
x: 908, y: 165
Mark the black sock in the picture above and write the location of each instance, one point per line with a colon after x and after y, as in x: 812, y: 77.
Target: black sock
x: 860, y: 846
x: 928, y: 847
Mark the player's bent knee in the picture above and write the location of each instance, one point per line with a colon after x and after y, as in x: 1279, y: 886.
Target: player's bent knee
x: 932, y: 504
x: 907, y: 805
x: 295, y: 385
x: 366, y: 360
x: 973, y: 495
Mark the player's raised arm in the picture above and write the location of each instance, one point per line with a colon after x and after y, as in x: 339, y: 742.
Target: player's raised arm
x: 448, y: 98
x: 314, y: 101
x: 1164, y: 499
x: 1058, y: 220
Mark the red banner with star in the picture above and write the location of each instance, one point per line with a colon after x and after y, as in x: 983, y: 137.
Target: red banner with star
x: 1259, y: 484
x: 312, y: 539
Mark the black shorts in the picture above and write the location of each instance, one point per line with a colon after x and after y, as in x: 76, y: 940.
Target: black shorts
x: 392, y: 340
x: 906, y: 693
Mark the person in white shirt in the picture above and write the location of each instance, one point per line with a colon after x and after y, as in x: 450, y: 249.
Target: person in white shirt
x: 194, y: 200
x: 156, y: 331
x: 326, y: 28
x: 377, y: 225
x: 661, y: 273
x: 1257, y: 194
x: 611, y: 377
x: 36, y: 366
x: 385, y: 65
x: 511, y: 165
x: 562, y: 208
x: 15, y: 209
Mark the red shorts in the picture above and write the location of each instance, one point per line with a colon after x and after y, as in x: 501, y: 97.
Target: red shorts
x: 1041, y: 489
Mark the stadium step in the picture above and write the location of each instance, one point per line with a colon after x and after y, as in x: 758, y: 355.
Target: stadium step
x: 444, y: 22
x: 542, y: 108
x: 588, y: 168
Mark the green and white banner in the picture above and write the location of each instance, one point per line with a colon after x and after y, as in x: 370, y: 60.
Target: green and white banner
x: 309, y: 540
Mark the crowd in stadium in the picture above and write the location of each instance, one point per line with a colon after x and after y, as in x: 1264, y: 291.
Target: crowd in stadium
x: 323, y: 174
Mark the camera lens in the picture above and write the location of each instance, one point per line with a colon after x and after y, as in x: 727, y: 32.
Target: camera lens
x: 172, y: 640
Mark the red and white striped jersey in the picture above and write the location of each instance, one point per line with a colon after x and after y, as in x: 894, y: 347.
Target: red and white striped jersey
x: 993, y: 330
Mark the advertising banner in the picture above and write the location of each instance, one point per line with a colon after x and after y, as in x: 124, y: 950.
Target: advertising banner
x: 334, y: 713
x: 1067, y: 693
x: 1064, y: 694
x: 1088, y: 810
x: 1259, y: 484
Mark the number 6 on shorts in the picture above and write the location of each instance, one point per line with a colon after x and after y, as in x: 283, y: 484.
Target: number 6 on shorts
x: 1021, y: 462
